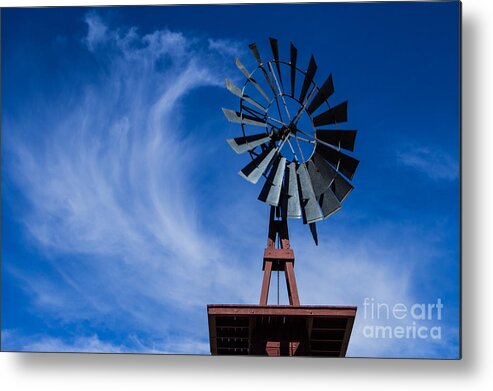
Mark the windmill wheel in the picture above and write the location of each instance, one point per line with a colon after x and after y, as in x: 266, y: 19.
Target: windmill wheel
x: 300, y: 149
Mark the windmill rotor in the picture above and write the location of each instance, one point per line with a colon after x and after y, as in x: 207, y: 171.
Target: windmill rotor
x: 290, y: 130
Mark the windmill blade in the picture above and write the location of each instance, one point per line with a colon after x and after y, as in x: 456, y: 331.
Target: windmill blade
x: 234, y: 116
x: 271, y: 191
x: 256, y: 54
x: 313, y: 230
x: 338, y: 138
x: 323, y: 94
x: 326, y: 170
x: 319, y: 183
x: 247, y: 143
x: 254, y: 170
x: 248, y: 75
x: 329, y: 203
x: 332, y: 116
x: 242, y: 68
x: 326, y: 198
x: 309, y: 205
x: 339, y: 186
x: 293, y: 194
x: 253, y: 48
x: 275, y: 52
x: 236, y: 91
x: 310, y: 73
x: 275, y: 48
x: 251, y: 113
x: 344, y: 163
x: 292, y: 62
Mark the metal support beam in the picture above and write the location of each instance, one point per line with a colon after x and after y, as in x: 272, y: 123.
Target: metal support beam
x: 291, y: 284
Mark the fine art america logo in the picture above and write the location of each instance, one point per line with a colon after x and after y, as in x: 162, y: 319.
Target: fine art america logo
x: 401, y: 321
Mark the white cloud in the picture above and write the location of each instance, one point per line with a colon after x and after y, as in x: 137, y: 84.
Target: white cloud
x: 226, y: 47
x: 12, y: 340
x: 97, y: 31
x: 90, y: 344
x: 431, y: 162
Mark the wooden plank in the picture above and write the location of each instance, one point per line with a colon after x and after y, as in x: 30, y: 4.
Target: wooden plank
x: 347, y: 335
x: 294, y: 299
x: 309, y: 327
x: 264, y: 294
x: 232, y: 327
x: 252, y: 321
x: 315, y: 311
x: 212, y: 334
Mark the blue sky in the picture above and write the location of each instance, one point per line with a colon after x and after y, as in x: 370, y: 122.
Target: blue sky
x: 123, y: 216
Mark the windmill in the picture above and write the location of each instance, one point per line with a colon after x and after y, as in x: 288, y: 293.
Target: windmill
x: 291, y: 132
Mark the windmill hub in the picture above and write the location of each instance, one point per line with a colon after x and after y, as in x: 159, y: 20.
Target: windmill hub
x: 292, y: 129
x: 285, y: 131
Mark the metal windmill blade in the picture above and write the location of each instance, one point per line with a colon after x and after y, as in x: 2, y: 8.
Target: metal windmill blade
x: 247, y: 143
x: 305, y: 158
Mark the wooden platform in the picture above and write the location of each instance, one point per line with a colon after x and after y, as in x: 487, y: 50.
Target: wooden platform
x: 273, y: 330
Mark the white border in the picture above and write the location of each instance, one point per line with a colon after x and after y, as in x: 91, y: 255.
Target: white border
x: 95, y: 372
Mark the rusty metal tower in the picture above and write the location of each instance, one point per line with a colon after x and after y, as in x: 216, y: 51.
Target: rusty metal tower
x: 307, y: 177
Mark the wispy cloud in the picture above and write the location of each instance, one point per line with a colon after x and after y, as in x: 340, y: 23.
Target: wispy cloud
x: 109, y: 194
x: 42, y: 343
x: 226, y: 47
x: 432, y: 162
x: 14, y: 341
x: 96, y: 31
